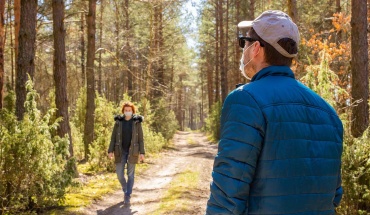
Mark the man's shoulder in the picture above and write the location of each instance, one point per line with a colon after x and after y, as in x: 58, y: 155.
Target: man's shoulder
x: 243, y: 95
x: 248, y: 89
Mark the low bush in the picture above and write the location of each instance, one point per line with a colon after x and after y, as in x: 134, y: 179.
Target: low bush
x: 34, y: 167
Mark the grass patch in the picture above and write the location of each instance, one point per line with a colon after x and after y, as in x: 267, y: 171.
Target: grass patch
x: 191, y: 141
x: 177, y: 199
x: 211, y: 139
x: 82, y: 194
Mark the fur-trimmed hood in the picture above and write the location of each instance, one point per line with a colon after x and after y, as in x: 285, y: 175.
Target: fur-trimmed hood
x: 135, y: 117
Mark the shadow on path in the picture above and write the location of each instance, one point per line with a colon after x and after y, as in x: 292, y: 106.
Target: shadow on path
x: 119, y: 208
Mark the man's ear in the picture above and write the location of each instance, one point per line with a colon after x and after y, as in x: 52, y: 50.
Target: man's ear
x: 257, y: 48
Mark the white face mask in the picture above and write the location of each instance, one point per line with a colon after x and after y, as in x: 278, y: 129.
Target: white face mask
x: 128, y: 113
x: 242, y: 66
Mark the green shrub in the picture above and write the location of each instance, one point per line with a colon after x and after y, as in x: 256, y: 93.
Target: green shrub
x: 153, y: 141
x: 79, y: 112
x: 320, y: 78
x: 159, y: 125
x: 164, y: 120
x: 356, y: 174
x: 104, y: 121
x: 77, y: 124
x: 356, y: 151
x: 34, y: 166
x: 78, y: 142
x: 213, y: 121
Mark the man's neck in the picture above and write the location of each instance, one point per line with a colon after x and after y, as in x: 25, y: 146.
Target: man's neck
x: 259, y: 67
x: 128, y: 118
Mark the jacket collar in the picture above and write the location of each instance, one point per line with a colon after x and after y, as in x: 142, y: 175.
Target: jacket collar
x: 273, y: 71
x: 135, y: 117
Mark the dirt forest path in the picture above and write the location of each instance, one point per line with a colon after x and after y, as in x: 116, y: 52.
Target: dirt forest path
x: 190, y: 152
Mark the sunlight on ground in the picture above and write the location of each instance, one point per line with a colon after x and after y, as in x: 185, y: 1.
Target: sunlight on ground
x: 83, y: 194
x: 191, y: 141
x: 177, y: 199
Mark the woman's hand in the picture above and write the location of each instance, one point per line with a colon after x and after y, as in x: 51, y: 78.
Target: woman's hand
x: 142, y: 157
x: 110, y: 155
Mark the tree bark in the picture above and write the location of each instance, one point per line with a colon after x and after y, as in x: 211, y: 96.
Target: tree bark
x: 180, y: 103
x: 2, y: 45
x: 338, y: 7
x: 252, y: 9
x: 209, y: 80
x: 292, y: 10
x: 237, y: 55
x: 82, y: 46
x: 17, y: 22
x: 26, y: 52
x: 60, y: 74
x: 130, y: 84
x: 224, y: 51
x: 221, y: 61
x: 359, y: 66
x: 118, y: 85
x: 157, y: 68
x: 100, y: 46
x: 217, y: 74
x: 9, y: 14
x: 160, y: 69
x: 90, y: 81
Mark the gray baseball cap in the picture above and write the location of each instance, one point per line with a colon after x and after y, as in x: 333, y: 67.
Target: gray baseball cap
x: 273, y: 25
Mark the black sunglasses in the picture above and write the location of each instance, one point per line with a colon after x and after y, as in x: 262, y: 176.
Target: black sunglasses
x: 242, y: 41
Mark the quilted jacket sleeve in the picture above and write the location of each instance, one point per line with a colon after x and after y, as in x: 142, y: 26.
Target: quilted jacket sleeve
x: 113, y: 139
x: 141, y: 139
x: 242, y: 132
x: 338, y: 193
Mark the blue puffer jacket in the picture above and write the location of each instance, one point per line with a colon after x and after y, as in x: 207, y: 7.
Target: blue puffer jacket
x: 280, y: 150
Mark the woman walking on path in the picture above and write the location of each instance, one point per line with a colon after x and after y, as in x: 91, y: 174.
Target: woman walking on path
x: 127, y: 146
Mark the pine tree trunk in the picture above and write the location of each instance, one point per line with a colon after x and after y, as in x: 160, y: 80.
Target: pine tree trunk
x: 223, y: 72
x: 224, y: 52
x: 172, y: 76
x: 90, y: 81
x: 152, y: 52
x: 252, y: 9
x: 209, y: 81
x: 9, y: 14
x: 129, y: 59
x: 359, y: 66
x: 118, y: 85
x: 17, y: 22
x: 292, y: 10
x: 100, y: 46
x: 237, y: 55
x: 217, y: 74
x: 60, y: 73
x: 180, y: 103
x: 160, y: 69
x: 2, y: 45
x: 157, y: 66
x: 26, y: 52
x: 83, y: 76
x: 338, y: 7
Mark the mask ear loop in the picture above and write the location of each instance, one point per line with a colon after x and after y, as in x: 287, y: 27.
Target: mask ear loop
x: 243, y: 72
x: 253, y: 56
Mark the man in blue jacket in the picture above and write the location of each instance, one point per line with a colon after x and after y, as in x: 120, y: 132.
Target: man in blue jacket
x: 281, y: 144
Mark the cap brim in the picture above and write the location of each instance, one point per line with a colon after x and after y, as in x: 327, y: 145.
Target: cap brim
x: 245, y: 24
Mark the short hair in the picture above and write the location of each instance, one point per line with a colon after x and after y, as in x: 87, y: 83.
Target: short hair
x: 128, y: 104
x: 272, y: 56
